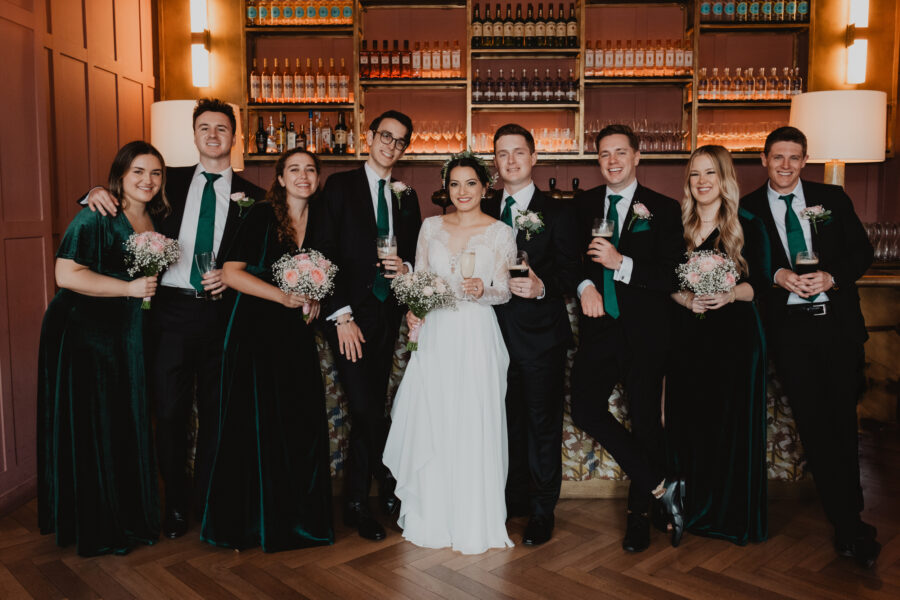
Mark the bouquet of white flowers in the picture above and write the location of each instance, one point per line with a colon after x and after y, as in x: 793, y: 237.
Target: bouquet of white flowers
x: 707, y: 272
x: 422, y: 292
x: 307, y: 273
x: 149, y: 253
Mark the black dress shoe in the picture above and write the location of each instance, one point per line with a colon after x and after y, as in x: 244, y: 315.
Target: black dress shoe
x: 673, y: 504
x: 388, y: 501
x: 864, y: 551
x: 357, y: 514
x: 175, y: 524
x: 538, y: 530
x: 844, y: 544
x: 637, y: 533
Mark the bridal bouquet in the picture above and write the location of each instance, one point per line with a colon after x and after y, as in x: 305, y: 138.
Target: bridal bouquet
x: 707, y: 272
x: 422, y: 292
x: 307, y: 273
x: 149, y: 253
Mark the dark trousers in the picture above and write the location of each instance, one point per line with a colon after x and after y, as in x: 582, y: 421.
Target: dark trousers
x: 534, y: 415
x: 365, y: 384
x: 186, y: 355
x: 819, y: 367
x: 606, y: 356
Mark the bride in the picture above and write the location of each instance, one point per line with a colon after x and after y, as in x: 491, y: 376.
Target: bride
x: 447, y: 442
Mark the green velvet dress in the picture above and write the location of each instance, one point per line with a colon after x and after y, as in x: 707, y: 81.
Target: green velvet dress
x: 716, y: 407
x: 270, y: 483
x: 97, y: 483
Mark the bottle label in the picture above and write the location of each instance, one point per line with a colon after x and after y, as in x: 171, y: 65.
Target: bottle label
x: 276, y: 87
x: 476, y: 30
x: 705, y: 9
x: 266, y: 88
x: 629, y: 59
x: 729, y: 9
x: 276, y: 12
x: 754, y: 9
x: 572, y: 29
x: 689, y: 59
x: 263, y: 12
x: 298, y: 86
x: 540, y: 30
x: 803, y: 8
x: 620, y: 59
x: 311, y: 12
x: 650, y: 59
x: 742, y: 9
x: 254, y: 88
x: 589, y: 59
x: 791, y: 8
x: 416, y: 60
x: 288, y: 88
x: 348, y: 13
x: 670, y: 58
x: 454, y: 60
x: 639, y: 59
x: 405, y: 59
x: 426, y: 61
x: 609, y: 60
x: 395, y: 60
x: 767, y: 9
x: 251, y: 13
x: 364, y: 59
x: 679, y: 58
x: 717, y: 9
x: 320, y: 89
x: 385, y: 60
x: 529, y: 30
x: 779, y: 8
x: 340, y: 137
x: 508, y: 30
x: 519, y: 30
x: 323, y: 12
x: 335, y: 12
x: 561, y: 29
x: 445, y: 60
x: 660, y: 58
x: 288, y: 12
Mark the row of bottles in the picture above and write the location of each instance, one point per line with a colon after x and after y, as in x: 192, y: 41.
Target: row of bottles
x: 285, y: 86
x: 552, y: 31
x: 430, y: 62
x: 670, y: 59
x: 744, y: 85
x: 316, y: 135
x: 261, y: 13
x: 523, y: 89
x: 753, y: 11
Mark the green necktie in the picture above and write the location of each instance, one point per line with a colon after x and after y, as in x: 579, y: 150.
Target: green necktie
x: 610, y: 304
x: 506, y: 215
x: 795, y: 239
x: 206, y: 227
x: 382, y: 286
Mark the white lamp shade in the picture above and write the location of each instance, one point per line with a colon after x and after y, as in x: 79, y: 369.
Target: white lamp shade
x: 845, y: 125
x: 172, y: 132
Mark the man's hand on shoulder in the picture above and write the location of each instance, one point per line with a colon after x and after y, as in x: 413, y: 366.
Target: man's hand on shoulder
x: 100, y: 200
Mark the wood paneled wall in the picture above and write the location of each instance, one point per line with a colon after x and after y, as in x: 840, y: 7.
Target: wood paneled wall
x: 78, y: 80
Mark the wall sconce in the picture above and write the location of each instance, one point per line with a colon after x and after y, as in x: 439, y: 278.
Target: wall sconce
x: 199, y: 44
x: 857, y: 45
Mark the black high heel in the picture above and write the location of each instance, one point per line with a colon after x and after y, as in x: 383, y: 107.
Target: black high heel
x: 673, y: 503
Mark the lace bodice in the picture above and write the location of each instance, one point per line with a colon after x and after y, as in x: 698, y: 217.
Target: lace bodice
x: 494, y: 248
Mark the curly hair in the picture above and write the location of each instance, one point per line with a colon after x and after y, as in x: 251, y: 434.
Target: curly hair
x: 731, y: 235
x: 277, y: 196
x: 159, y: 205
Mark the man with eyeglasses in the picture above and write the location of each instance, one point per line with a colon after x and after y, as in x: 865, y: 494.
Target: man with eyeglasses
x: 359, y: 206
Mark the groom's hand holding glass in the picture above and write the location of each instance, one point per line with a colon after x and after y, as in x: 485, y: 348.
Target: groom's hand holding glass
x: 522, y: 280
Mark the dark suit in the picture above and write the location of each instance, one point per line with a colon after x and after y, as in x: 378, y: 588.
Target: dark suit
x: 348, y: 231
x: 819, y: 359
x: 632, y: 348
x: 537, y: 334
x: 185, y: 350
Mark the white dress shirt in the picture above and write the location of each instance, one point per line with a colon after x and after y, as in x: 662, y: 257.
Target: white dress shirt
x: 623, y: 273
x: 179, y: 274
x: 779, y: 214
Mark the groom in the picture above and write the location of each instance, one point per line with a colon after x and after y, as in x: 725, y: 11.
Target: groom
x: 359, y: 206
x: 536, y: 330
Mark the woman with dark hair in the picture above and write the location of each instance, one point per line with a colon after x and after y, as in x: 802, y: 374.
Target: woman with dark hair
x: 270, y: 482
x: 447, y: 443
x: 716, y: 394
x: 97, y: 483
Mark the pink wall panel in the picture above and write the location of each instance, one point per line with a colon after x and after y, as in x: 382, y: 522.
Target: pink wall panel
x: 26, y: 4
x: 131, y: 111
x: 101, y: 30
x: 104, y: 134
x: 148, y: 100
x: 72, y: 144
x: 147, y: 30
x: 19, y: 170
x: 634, y: 23
x: 67, y: 22
x: 128, y: 34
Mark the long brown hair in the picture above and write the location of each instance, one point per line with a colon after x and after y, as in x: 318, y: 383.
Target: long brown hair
x: 159, y: 204
x: 277, y: 196
x: 731, y: 234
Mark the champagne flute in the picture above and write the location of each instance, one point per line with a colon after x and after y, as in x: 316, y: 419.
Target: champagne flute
x: 386, y: 245
x: 467, y: 265
x: 447, y: 134
x: 603, y: 228
x: 206, y: 262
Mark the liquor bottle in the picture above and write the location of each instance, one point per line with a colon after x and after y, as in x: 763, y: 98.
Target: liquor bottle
x: 547, y: 87
x: 255, y: 84
x: 537, y: 92
x: 742, y: 11
x: 559, y: 87
x: 679, y: 58
x: 456, y: 60
x: 540, y: 29
x: 262, y: 13
x: 426, y: 62
x: 628, y: 68
x: 599, y: 60
x: 446, y: 60
x: 529, y: 28
x: 755, y: 11
x: 588, y: 59
x: 476, y: 28
x: 340, y: 135
x: 737, y: 86
x: 714, y: 83
x: 291, y: 136
x: 277, y: 84
x: 669, y: 70
x: 778, y: 12
x: 374, y: 61
x: 498, y: 27
x: 298, y: 82
x: 550, y: 28
x: 477, y: 93
x: 487, y: 28
x: 509, y: 29
x: 385, y: 58
x: 346, y: 12
x: 660, y: 70
x: 718, y: 10
x: 252, y: 13
x: 649, y: 60
x: 488, y: 87
x: 766, y: 10
x: 638, y: 59
x: 395, y: 61
x: 571, y: 28
x: 519, y: 29
x: 772, y: 84
x: 261, y: 137
x: 275, y: 13
x: 802, y: 11
x: 364, y: 72
x: 301, y: 138
x: 725, y: 85
x: 287, y: 85
x: 500, y: 89
x: 512, y: 88
x: 705, y: 11
x: 572, y: 87
x: 266, y: 82
x: 728, y: 11
x: 321, y: 83
x: 351, y: 138
x: 281, y: 134
x: 317, y: 126
x: 790, y: 11
x: 688, y: 58
x: 784, y: 85
x: 271, y: 146
x: 311, y: 135
x: 309, y: 82
x: 343, y: 83
x: 405, y: 61
x: 310, y: 14
x: 287, y: 12
x: 436, y: 60
x: 749, y: 85
x: 335, y: 9
x: 759, y: 89
x: 416, y: 60
x: 796, y: 82
x: 562, y: 28
x: 327, y: 137
x: 619, y: 57
x: 702, y: 85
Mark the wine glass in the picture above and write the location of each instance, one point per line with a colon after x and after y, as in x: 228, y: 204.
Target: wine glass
x: 447, y: 134
x: 467, y: 265
x: 206, y: 262
x: 460, y: 135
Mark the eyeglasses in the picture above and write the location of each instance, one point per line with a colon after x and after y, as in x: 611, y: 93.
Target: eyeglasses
x: 389, y: 140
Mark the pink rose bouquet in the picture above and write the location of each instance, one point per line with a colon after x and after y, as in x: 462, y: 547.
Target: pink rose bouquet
x: 307, y: 273
x: 149, y: 253
x: 422, y: 292
x: 707, y: 272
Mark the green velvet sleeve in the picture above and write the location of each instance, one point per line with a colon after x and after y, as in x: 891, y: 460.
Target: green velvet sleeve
x: 83, y: 239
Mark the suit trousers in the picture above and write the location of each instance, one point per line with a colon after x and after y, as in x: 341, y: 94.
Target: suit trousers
x: 605, y: 357
x: 186, y: 355
x: 365, y: 385
x: 819, y: 367
x: 534, y: 415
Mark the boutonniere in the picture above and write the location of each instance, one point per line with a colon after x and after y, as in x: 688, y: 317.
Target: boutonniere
x: 815, y: 215
x: 639, y: 211
x: 400, y: 189
x: 531, y: 223
x: 242, y: 201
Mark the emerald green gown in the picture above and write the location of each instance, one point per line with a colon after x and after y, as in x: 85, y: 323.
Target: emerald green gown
x: 97, y: 483
x: 716, y: 407
x: 271, y: 482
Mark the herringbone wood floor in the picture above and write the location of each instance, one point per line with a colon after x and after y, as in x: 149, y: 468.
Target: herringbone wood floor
x: 583, y: 560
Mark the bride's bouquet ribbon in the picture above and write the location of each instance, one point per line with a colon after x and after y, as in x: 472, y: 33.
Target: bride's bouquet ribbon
x: 150, y: 253
x: 422, y: 292
x: 307, y: 273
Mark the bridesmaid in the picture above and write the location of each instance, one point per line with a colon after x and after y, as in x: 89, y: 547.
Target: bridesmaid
x: 271, y: 483
x: 97, y: 485
x: 716, y: 387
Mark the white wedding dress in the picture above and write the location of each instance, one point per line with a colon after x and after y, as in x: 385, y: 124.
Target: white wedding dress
x: 447, y: 443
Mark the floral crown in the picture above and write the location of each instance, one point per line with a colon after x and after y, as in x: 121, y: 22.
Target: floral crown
x: 467, y: 153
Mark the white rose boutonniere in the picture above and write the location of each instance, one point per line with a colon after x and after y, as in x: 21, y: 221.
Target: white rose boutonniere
x: 242, y: 201
x: 531, y: 223
x: 639, y: 211
x: 400, y: 190
x: 815, y: 215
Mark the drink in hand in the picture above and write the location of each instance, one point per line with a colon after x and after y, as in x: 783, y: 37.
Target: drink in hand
x: 518, y: 266
x: 806, y: 263
x: 467, y: 264
x: 602, y: 228
x: 386, y: 247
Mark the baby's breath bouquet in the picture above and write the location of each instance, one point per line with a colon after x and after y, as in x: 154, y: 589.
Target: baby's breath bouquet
x: 308, y: 273
x: 422, y: 292
x: 149, y: 253
x: 707, y: 272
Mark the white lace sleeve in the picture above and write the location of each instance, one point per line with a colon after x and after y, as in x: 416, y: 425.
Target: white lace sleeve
x: 503, y: 243
x: 422, y: 244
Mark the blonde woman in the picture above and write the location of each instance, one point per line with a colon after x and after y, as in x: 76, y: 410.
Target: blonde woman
x: 715, y: 394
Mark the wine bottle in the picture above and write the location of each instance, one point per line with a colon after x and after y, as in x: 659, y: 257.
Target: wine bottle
x: 261, y: 137
x: 572, y: 28
x: 476, y: 27
x: 340, y: 135
x: 509, y: 29
x: 529, y: 28
x: 561, y: 28
x: 519, y: 29
x: 255, y: 85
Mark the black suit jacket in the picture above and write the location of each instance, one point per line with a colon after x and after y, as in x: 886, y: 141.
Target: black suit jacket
x: 844, y: 252
x: 346, y: 230
x: 644, y: 303
x: 532, y: 327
